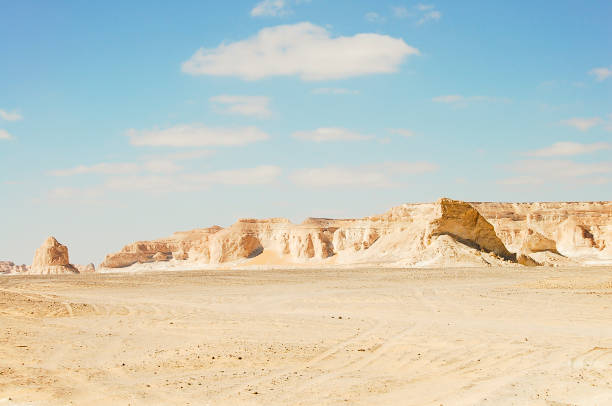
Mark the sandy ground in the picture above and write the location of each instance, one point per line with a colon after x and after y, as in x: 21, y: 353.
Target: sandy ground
x: 305, y: 337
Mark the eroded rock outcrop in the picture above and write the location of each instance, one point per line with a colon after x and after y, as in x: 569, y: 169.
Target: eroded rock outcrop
x: 52, y: 258
x: 445, y: 233
x: 554, y: 233
x: 9, y: 267
x: 180, y: 246
x: 89, y: 268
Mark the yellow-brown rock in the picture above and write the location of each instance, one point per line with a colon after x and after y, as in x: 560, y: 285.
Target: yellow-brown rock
x: 52, y: 258
x: 445, y: 233
x: 580, y: 231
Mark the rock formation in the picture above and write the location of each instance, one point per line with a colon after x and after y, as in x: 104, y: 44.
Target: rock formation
x: 444, y: 233
x: 8, y: 267
x: 554, y: 232
x: 52, y: 258
x: 89, y: 268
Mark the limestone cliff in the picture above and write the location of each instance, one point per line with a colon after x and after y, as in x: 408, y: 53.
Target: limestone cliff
x: 444, y: 233
x: 579, y: 232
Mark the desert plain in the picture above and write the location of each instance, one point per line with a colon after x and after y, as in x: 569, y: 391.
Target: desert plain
x: 460, y: 336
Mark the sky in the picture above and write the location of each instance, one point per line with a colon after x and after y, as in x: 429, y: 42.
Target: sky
x: 124, y: 121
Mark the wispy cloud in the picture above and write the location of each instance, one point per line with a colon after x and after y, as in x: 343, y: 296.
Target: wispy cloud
x: 329, y: 134
x: 450, y: 98
x: 424, y: 7
x: 4, y: 135
x: 428, y: 13
x: 101, y: 168
x: 581, y: 123
x: 169, y: 183
x: 387, y: 174
x: 196, y: 135
x: 402, y: 131
x: 184, y: 182
x: 305, y: 50
x: 601, y: 74
x: 430, y: 16
x: 120, y: 168
x: 401, y: 12
x: 374, y: 17
x: 254, y: 106
x: 270, y: 8
x: 181, y: 156
x: 334, y: 90
x: 568, y: 149
x: 538, y: 171
x: 421, y: 13
x: 10, y: 115
x: 458, y: 100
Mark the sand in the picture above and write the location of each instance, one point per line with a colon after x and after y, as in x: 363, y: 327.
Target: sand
x: 494, y: 336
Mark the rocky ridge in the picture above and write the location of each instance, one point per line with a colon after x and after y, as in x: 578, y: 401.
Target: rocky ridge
x: 445, y: 233
x: 554, y: 232
x: 9, y: 267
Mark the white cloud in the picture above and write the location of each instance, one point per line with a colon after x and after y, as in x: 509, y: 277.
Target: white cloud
x: 167, y: 183
x: 334, y: 90
x: 196, y: 135
x: 582, y: 124
x: 424, y: 7
x: 101, y: 168
x: 255, y: 106
x: 305, y: 50
x: 259, y: 175
x: 89, y: 195
x: 387, y: 174
x: 374, y: 17
x: 10, y: 115
x: 328, y: 134
x: 161, y: 166
x: 537, y: 171
x: 4, y: 135
x: 119, y: 168
x: 431, y: 15
x: 601, y: 74
x: 427, y: 13
x: 522, y: 180
x: 569, y: 148
x: 401, y: 12
x: 185, y: 155
x: 458, y: 100
x: 402, y: 131
x: 269, y: 8
x: 451, y: 98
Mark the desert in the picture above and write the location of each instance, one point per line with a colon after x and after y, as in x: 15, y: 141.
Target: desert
x: 466, y: 336
x: 305, y: 203
x: 426, y: 304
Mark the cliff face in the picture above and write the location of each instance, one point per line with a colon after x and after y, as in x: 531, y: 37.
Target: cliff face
x: 447, y: 232
x: 580, y: 231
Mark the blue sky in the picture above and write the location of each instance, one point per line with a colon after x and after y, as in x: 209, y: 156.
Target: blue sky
x: 122, y: 121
